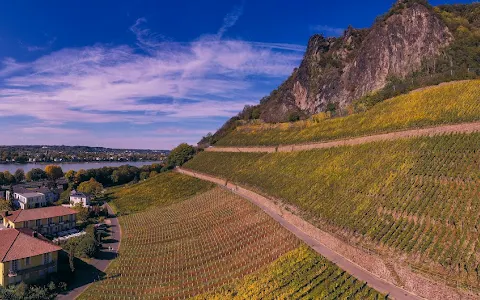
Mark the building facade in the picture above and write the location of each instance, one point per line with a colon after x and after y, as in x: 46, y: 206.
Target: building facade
x: 46, y: 220
x: 25, y: 257
x: 29, y: 200
x: 79, y: 198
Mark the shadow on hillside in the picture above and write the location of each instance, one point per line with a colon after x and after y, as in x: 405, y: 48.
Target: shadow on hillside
x: 84, y: 274
x: 109, y: 241
x: 106, y: 255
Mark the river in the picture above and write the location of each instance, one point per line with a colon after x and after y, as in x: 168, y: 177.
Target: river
x: 74, y: 165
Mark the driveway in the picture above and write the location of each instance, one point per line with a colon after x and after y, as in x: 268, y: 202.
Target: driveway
x: 103, y: 259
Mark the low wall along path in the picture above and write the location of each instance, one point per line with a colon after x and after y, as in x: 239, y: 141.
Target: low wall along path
x: 371, y: 268
x: 438, y: 130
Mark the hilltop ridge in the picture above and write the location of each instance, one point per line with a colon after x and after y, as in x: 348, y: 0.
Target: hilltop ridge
x: 413, y: 45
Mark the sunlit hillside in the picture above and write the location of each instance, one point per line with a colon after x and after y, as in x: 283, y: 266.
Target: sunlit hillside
x: 209, y: 243
x: 414, y: 197
x: 160, y: 190
x: 448, y: 103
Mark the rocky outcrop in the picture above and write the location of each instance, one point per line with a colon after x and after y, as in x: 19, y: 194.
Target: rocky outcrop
x: 336, y: 71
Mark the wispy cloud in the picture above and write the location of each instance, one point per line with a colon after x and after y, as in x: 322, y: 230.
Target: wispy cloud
x: 327, y: 30
x: 146, y: 39
x: 34, y: 48
x: 51, y: 130
x: 230, y: 20
x: 152, y: 82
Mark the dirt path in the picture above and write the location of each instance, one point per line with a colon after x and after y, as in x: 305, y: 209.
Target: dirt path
x: 104, y: 258
x: 368, y: 267
x: 430, y: 131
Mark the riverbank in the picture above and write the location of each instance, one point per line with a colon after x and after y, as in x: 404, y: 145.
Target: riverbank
x: 74, y: 165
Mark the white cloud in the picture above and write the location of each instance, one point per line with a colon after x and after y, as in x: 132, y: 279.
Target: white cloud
x: 166, y: 81
x: 230, y: 20
x: 81, y: 83
x: 328, y: 30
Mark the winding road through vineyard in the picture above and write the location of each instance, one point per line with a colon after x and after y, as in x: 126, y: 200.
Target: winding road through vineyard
x: 312, y: 236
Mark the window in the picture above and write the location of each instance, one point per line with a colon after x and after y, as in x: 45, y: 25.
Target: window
x: 38, y: 222
x: 60, y: 219
x: 72, y: 218
x: 25, y: 224
x: 27, y: 261
x: 47, y: 258
x: 50, y: 221
x: 14, y: 265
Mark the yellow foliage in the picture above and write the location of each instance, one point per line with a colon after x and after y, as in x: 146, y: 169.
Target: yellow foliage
x: 300, y: 273
x: 449, y: 103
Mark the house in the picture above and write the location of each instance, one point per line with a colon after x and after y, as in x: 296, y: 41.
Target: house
x: 29, y: 200
x: 22, y: 193
x: 25, y: 257
x: 46, y: 220
x: 50, y: 195
x: 79, y: 198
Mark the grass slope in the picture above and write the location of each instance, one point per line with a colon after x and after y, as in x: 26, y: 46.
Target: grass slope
x: 299, y: 274
x: 416, y: 197
x: 160, y: 190
x: 448, y: 103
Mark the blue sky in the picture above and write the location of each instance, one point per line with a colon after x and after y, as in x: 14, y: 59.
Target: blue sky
x: 150, y: 74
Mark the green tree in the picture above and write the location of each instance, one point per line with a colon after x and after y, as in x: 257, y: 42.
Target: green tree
x: 53, y: 172
x: 36, y: 174
x: 19, y: 175
x: 71, y: 257
x: 2, y: 179
x: 80, y: 176
x: 143, y: 176
x: 180, y: 155
x: 9, y: 178
x: 70, y: 176
x: 5, y: 205
x: 83, y: 213
x: 91, y: 187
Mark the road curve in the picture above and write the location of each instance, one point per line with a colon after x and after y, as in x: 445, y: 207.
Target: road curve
x: 100, y: 263
x: 429, y: 131
x: 341, y: 261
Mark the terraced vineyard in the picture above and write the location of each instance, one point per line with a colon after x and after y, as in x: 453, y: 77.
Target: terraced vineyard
x: 418, y: 197
x: 160, y: 190
x: 445, y: 104
x: 208, y: 241
x: 299, y: 274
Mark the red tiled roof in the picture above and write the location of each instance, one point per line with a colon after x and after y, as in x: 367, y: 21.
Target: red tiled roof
x: 7, y: 236
x: 18, y: 245
x: 39, y: 213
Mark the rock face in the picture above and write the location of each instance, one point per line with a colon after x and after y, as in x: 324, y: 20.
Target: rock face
x: 336, y: 71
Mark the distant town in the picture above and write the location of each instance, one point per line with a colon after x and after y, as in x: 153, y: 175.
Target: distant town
x: 48, y: 154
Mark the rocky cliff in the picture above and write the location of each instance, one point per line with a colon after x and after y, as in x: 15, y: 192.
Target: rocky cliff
x: 336, y: 71
x: 413, y: 45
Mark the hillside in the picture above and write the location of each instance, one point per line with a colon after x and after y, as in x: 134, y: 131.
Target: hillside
x: 298, y: 274
x: 366, y: 66
x: 412, y: 199
x: 158, y: 191
x: 209, y: 243
x: 448, y: 103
